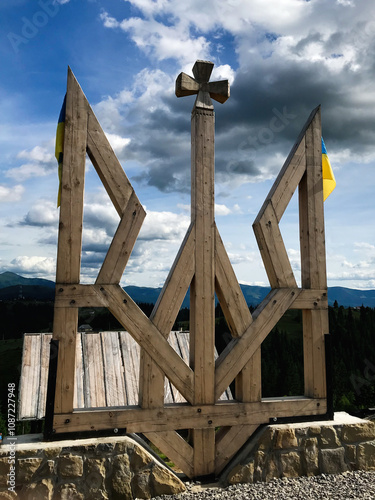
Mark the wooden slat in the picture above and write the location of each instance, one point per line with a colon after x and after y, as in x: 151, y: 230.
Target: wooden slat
x: 130, y: 356
x: 79, y: 398
x: 65, y: 331
x: 272, y: 249
x: 239, y: 351
x: 113, y: 369
x: 107, y: 165
x: 123, y: 242
x: 163, y: 316
x: 176, y: 449
x: 93, y: 367
x: 230, y: 442
x: 45, y: 339
x: 148, y: 337
x: 186, y: 416
x: 228, y: 291
x: 30, y: 377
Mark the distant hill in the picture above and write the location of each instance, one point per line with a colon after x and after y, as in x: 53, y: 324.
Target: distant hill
x: 13, y: 286
x: 11, y: 279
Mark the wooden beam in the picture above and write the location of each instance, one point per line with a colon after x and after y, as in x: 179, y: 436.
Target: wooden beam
x: 176, y: 449
x: 123, y: 242
x: 107, y: 165
x: 272, y: 249
x: 239, y: 351
x: 229, y: 442
x: 176, y: 417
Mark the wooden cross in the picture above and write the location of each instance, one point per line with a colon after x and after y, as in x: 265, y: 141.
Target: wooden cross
x: 186, y: 85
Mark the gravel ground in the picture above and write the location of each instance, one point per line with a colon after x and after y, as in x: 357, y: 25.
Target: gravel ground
x: 350, y: 485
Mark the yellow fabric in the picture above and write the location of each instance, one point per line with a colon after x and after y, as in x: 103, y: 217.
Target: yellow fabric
x: 329, y: 182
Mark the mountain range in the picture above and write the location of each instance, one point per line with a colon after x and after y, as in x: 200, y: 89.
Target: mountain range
x: 13, y: 287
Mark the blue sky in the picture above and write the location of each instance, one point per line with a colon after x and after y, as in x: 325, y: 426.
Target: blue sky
x: 282, y: 58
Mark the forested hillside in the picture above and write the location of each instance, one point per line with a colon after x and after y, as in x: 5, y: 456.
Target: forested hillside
x: 352, y: 334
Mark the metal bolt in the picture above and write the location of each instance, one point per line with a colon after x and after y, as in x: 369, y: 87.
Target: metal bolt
x: 199, y: 410
x: 67, y: 421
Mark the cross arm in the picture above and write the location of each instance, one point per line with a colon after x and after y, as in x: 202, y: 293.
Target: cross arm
x: 186, y: 85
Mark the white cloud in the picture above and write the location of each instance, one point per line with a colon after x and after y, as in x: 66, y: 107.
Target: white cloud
x: 118, y: 143
x: 41, y: 162
x: 164, y: 226
x: 34, y: 265
x: 13, y: 193
x: 43, y: 213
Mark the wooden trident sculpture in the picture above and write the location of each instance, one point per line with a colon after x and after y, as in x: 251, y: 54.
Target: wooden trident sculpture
x: 218, y: 429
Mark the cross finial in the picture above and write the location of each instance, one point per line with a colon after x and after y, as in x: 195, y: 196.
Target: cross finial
x: 186, y: 85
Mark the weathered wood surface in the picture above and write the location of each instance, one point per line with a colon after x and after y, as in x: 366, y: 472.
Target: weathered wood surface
x: 106, y: 371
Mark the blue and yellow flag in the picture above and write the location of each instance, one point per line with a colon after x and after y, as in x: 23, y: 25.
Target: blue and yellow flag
x: 329, y: 182
x: 59, y: 146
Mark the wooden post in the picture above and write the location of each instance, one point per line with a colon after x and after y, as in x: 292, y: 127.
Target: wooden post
x: 202, y: 289
x: 313, y: 263
x: 70, y: 238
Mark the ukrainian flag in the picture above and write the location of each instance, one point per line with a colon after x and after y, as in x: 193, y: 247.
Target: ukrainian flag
x: 59, y: 146
x: 329, y: 182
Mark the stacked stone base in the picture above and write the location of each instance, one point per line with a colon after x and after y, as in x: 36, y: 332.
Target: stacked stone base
x: 306, y: 449
x: 95, y: 469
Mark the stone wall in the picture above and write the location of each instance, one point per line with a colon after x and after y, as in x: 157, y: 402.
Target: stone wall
x: 96, y: 469
x: 291, y: 450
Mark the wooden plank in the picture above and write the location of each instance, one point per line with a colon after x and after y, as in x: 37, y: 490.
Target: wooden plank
x: 123, y: 242
x: 148, y: 337
x: 107, y: 165
x: 272, y: 249
x: 163, y: 316
x: 79, y: 398
x: 73, y: 176
x: 229, y: 444
x: 93, y: 367
x: 176, y: 449
x: 45, y: 339
x: 177, y: 417
x: 30, y: 377
x: 171, y: 394
x: 315, y: 326
x: 228, y: 291
x: 65, y: 331
x: 130, y: 356
x: 113, y: 369
x: 239, y: 351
